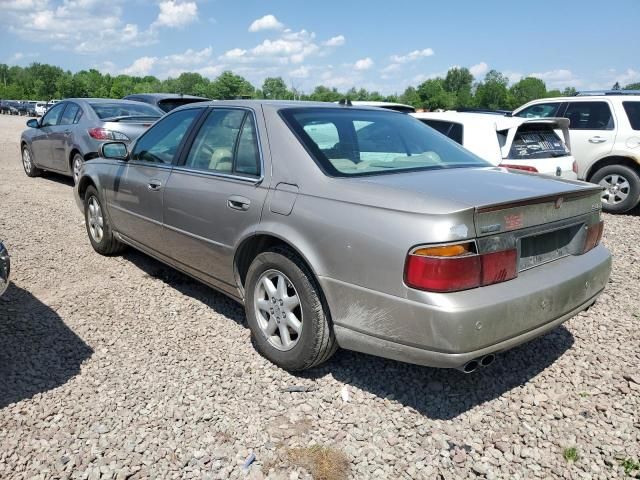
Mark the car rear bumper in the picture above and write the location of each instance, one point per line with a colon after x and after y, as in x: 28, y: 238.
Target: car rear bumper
x: 448, y: 330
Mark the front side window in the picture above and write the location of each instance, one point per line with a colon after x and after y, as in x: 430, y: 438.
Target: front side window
x: 53, y: 115
x: 161, y: 142
x: 589, y: 116
x: 353, y: 142
x: 226, y: 143
x: 69, y: 114
x: 633, y: 113
x: 540, y: 110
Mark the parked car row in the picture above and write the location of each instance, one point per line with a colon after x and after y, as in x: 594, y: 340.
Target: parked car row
x: 343, y: 225
x: 31, y: 108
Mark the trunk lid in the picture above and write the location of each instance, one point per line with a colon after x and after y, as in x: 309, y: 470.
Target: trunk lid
x: 131, y: 126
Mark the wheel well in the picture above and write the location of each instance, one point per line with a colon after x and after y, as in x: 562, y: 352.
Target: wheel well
x: 605, y: 162
x: 85, y: 183
x: 252, y: 247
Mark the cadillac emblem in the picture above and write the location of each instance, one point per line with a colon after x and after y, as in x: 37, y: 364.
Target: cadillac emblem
x: 559, y: 202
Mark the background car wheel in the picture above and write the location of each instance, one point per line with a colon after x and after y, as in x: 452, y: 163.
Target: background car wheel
x: 27, y: 163
x: 100, y: 234
x: 76, y: 165
x: 285, y: 312
x: 622, y: 188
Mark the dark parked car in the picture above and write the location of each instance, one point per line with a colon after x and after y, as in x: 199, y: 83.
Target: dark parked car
x: 165, y: 101
x: 5, y: 268
x: 28, y: 109
x: 351, y: 226
x: 74, y: 129
x: 9, y: 107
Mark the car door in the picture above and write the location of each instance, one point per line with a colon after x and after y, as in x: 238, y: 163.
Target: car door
x: 41, y: 140
x: 214, y: 197
x: 134, y: 191
x: 60, y: 138
x: 591, y: 130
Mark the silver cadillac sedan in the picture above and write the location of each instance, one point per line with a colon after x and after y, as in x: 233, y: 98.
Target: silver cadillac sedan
x: 337, y: 225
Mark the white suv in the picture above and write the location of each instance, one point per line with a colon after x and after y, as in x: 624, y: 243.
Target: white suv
x: 605, y: 140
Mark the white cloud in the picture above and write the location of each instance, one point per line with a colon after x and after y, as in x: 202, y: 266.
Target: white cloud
x: 140, y: 67
x: 268, y: 22
x: 301, y: 72
x: 363, y: 64
x: 558, y: 78
x: 85, y: 26
x: 412, y: 56
x: 513, y: 76
x: 627, y: 77
x: 176, y: 14
x: 336, y: 41
x: 234, y: 53
x: 479, y: 69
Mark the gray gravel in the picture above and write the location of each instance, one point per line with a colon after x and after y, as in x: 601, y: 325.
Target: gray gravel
x: 122, y: 368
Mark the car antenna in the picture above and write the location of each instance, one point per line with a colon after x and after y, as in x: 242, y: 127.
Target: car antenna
x: 345, y: 102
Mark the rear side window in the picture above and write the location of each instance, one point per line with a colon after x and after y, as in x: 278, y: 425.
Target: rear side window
x: 353, y: 142
x: 536, y: 141
x: 589, y: 116
x: 69, y: 114
x: 633, y: 113
x: 226, y: 143
x: 172, y: 103
x: 450, y: 129
x: 541, y: 110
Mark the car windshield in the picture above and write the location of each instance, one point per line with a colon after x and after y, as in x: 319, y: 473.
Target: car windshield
x: 537, y: 141
x: 353, y: 142
x: 111, y: 110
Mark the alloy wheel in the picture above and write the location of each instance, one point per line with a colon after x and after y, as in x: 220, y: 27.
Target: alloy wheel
x: 616, y: 189
x: 77, y: 165
x: 26, y: 160
x: 278, y: 310
x: 95, y: 219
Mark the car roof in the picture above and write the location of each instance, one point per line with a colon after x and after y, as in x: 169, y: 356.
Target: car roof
x: 474, y: 118
x: 164, y: 96
x: 585, y: 98
x: 278, y: 104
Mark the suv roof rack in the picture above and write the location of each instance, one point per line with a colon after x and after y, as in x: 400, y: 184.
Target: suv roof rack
x: 586, y: 93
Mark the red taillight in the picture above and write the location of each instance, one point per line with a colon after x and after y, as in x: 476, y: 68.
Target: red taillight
x: 450, y: 274
x: 106, y: 134
x: 526, y: 168
x: 593, y: 237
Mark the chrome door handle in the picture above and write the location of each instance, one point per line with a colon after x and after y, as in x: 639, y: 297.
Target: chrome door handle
x: 154, y: 185
x: 597, y: 139
x: 238, y: 203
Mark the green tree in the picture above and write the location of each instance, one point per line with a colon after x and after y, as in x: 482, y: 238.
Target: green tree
x: 493, y: 93
x: 616, y: 86
x: 228, y: 86
x: 569, y: 92
x: 274, y: 88
x: 458, y: 82
x: 433, y: 96
x: 410, y: 97
x: 633, y: 86
x: 527, y: 89
x: 325, y: 94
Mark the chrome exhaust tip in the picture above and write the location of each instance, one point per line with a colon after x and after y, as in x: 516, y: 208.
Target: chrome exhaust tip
x: 487, y: 360
x: 471, y: 366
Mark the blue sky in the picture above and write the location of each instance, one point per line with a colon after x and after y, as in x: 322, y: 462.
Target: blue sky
x: 379, y: 45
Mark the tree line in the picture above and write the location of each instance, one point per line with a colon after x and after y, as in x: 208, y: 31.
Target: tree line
x: 458, y: 88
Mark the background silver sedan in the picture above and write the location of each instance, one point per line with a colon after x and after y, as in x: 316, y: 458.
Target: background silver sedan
x: 337, y: 225
x: 73, y: 130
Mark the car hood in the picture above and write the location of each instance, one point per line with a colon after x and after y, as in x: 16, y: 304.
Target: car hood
x: 451, y: 190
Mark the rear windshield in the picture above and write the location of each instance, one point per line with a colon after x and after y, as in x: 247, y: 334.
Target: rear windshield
x: 633, y: 112
x: 110, y: 110
x: 537, y: 141
x: 351, y: 142
x: 171, y: 103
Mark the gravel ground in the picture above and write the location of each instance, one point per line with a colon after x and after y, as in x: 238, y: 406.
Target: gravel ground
x: 123, y: 368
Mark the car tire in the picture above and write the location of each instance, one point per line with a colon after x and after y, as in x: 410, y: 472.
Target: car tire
x: 622, y: 188
x: 76, y: 165
x: 268, y: 311
x: 98, y: 228
x: 27, y: 163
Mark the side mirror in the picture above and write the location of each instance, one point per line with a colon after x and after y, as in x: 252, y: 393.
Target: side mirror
x: 33, y: 123
x: 115, y: 150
